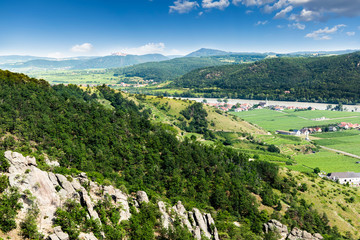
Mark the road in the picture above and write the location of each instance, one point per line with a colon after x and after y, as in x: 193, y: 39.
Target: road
x: 342, y: 152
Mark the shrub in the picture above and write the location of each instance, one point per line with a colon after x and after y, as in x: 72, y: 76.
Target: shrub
x: 4, y: 183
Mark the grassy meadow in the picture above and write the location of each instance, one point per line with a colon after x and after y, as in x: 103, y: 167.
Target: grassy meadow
x: 289, y: 119
x: 347, y: 141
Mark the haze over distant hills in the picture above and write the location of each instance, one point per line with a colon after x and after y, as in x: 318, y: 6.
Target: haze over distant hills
x: 21, y: 63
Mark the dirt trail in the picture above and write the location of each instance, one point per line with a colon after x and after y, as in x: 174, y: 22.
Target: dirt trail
x: 342, y: 152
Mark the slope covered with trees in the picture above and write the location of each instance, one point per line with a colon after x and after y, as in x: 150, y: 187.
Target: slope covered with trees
x: 122, y: 145
x: 324, y: 79
x: 174, y: 68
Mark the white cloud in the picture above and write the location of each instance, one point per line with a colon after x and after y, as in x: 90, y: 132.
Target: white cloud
x: 201, y: 13
x: 249, y: 11
x: 297, y: 26
x: 261, y: 23
x: 252, y: 2
x: 284, y: 12
x: 323, y: 34
x: 183, y: 6
x: 350, y: 34
x: 146, y: 49
x: 305, y: 15
x: 83, y: 48
x: 278, y: 5
x: 221, y: 4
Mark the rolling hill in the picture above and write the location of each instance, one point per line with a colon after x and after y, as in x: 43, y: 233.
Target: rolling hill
x: 84, y: 62
x: 323, y: 79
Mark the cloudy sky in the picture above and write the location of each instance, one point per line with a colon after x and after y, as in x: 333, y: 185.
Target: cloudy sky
x: 60, y: 28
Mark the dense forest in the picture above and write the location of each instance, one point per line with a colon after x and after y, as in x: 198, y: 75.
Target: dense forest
x: 124, y: 147
x: 166, y: 70
x: 324, y: 79
x: 174, y: 68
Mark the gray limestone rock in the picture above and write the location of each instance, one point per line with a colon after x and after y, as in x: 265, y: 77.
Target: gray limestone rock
x: 166, y: 220
x: 197, y: 233
x: 85, y: 200
x: 181, y: 212
x: 141, y: 196
x: 53, y: 237
x: 276, y: 226
x: 201, y: 223
x: 60, y: 234
x: 87, y: 236
x: 318, y: 236
x: 211, y: 226
x: 66, y: 185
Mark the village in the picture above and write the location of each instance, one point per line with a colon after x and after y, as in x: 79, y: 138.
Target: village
x: 241, y: 107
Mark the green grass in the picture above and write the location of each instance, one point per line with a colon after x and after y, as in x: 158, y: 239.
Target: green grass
x: 289, y: 119
x: 347, y: 141
x: 84, y: 77
x: 327, y: 161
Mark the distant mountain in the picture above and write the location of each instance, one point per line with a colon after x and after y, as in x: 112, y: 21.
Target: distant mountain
x: 115, y: 61
x: 323, y: 79
x: 18, y: 58
x: 44, y: 64
x: 206, y: 52
x: 84, y: 62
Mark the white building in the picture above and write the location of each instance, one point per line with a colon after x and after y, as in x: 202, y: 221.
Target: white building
x: 345, y: 177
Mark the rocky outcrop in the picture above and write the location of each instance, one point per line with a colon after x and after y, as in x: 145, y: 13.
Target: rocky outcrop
x: 295, y: 234
x: 197, y: 223
x: 49, y: 191
x: 141, y: 197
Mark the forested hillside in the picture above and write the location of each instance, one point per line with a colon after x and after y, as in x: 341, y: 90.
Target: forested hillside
x: 324, y: 79
x: 120, y: 143
x: 174, y: 68
x: 166, y: 70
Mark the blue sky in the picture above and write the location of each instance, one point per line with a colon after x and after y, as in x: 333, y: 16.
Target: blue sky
x: 61, y: 28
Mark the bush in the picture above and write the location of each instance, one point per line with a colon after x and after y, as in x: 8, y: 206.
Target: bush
x: 4, y: 163
x: 9, y: 207
x: 4, y: 183
x: 28, y: 227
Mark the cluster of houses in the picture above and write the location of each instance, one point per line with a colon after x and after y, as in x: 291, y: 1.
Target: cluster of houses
x: 303, y: 131
x: 307, y: 131
x: 345, y: 125
x: 234, y: 107
x: 281, y: 108
x: 248, y: 106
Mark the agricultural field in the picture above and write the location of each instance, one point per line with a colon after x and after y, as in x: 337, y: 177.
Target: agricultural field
x: 327, y: 161
x: 289, y: 119
x: 347, y: 141
x: 83, y: 77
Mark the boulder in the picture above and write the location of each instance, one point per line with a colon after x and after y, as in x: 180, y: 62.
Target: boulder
x: 85, y: 200
x: 211, y: 226
x: 87, y: 236
x: 166, y: 220
x: 318, y: 236
x: 53, y: 237
x: 66, y: 185
x: 181, y: 212
x: 276, y: 226
x: 201, y: 222
x: 141, y: 197
x: 60, y: 234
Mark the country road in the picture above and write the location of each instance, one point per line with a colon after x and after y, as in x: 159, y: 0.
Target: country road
x: 342, y: 152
